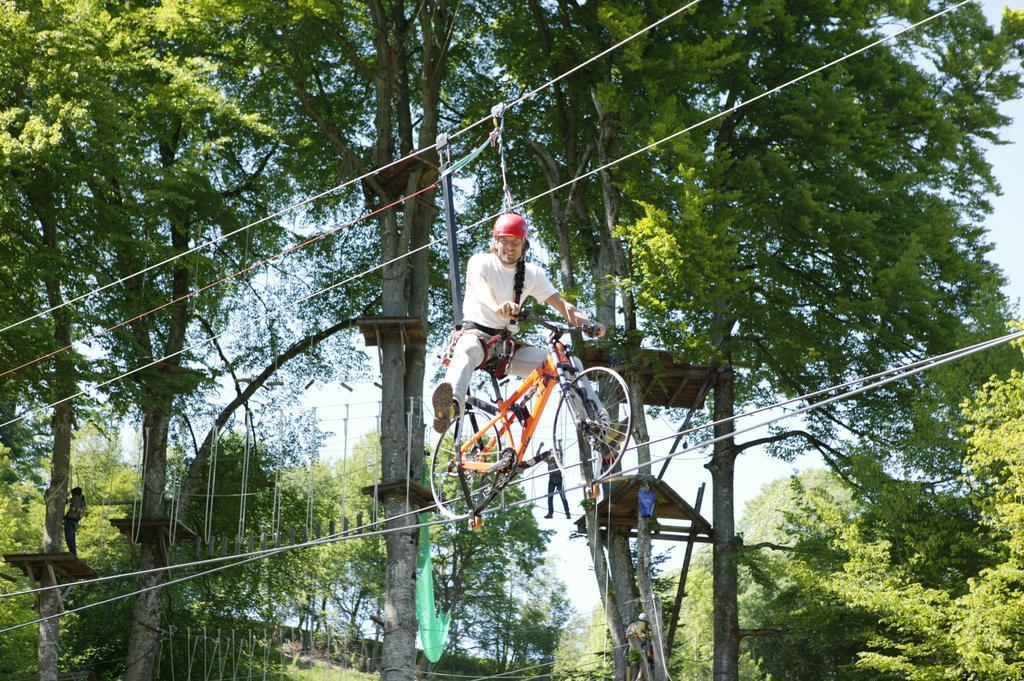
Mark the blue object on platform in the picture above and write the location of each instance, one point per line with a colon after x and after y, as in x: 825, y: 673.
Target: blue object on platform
x: 646, y: 498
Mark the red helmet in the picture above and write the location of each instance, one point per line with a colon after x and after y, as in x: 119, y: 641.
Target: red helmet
x: 510, y: 224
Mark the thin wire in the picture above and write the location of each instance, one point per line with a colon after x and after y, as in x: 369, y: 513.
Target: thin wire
x: 218, y: 282
x: 672, y: 136
x: 870, y: 381
x: 921, y: 365
x: 328, y: 192
x: 210, y: 339
x: 914, y: 368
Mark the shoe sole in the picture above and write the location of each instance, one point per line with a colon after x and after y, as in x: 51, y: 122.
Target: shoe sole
x: 442, y: 403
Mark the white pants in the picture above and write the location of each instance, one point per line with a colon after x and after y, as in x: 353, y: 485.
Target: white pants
x: 468, y: 354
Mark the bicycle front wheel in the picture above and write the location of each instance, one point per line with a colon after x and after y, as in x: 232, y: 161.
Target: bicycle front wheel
x: 459, y: 489
x: 593, y: 423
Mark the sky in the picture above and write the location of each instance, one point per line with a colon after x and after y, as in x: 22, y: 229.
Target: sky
x: 754, y: 469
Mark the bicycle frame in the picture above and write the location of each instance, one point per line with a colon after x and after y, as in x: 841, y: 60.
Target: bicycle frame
x: 541, y: 379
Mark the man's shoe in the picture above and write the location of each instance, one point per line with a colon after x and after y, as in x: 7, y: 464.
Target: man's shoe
x: 548, y: 517
x: 444, y: 407
x: 567, y: 516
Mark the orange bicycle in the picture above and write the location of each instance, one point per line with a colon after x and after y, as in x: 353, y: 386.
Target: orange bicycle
x: 481, y: 452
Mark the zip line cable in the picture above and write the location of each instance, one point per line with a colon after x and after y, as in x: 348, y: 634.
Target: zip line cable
x: 335, y: 189
x: 214, y: 337
x: 331, y: 539
x: 868, y: 383
x: 605, y: 166
x: 921, y: 366
x: 222, y: 280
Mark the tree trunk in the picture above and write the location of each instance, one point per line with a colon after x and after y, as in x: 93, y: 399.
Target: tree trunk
x: 56, y: 497
x: 144, y: 639
x: 612, y: 613
x: 722, y: 465
x: 62, y: 385
x: 404, y: 293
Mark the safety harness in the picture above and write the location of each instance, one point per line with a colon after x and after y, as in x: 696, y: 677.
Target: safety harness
x: 499, y: 344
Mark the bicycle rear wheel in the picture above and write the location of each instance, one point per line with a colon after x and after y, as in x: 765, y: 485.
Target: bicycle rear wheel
x: 593, y: 423
x: 457, y: 490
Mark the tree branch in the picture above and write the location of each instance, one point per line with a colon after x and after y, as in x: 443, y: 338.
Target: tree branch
x: 778, y: 437
x: 765, y: 545
x: 777, y: 632
x: 299, y: 347
x: 332, y: 134
x: 247, y: 183
x: 350, y: 51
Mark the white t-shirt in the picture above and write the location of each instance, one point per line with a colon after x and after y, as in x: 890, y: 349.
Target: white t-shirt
x: 502, y: 280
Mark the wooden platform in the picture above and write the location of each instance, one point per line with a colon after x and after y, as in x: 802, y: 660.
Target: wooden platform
x: 59, y: 567
x: 137, y: 527
x: 667, y: 382
x: 677, y: 519
x: 407, y: 328
x: 418, y: 494
x: 395, y: 177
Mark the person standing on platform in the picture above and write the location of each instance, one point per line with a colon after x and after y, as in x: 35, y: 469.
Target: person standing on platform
x: 76, y: 509
x: 555, y: 485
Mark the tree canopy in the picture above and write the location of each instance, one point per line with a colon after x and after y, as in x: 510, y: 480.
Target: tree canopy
x: 185, y: 249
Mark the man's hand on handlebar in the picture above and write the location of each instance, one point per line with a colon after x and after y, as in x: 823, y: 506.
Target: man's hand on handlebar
x: 581, y: 321
x: 508, y: 309
x: 589, y: 328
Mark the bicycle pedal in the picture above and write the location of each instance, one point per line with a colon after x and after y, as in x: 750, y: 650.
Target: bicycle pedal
x: 507, y: 459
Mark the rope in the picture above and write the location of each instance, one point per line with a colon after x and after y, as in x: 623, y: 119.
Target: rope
x: 214, y: 337
x: 870, y: 382
x: 896, y: 374
x: 211, y: 483
x: 335, y: 189
x: 212, y: 284
x: 605, y: 166
x: 495, y: 139
x: 245, y: 474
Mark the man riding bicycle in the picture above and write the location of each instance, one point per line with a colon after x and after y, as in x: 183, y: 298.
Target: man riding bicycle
x: 496, y: 284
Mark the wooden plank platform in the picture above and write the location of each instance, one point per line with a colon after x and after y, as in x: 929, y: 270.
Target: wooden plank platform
x: 668, y: 382
x: 678, y: 520
x: 395, y: 177
x: 407, y: 328
x: 418, y: 494
x: 65, y: 567
x: 133, y: 527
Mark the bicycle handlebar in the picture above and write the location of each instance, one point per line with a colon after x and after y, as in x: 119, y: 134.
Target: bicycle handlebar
x: 590, y: 330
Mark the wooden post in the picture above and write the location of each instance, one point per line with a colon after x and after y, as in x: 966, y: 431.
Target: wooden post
x: 681, y: 589
x: 53, y: 581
